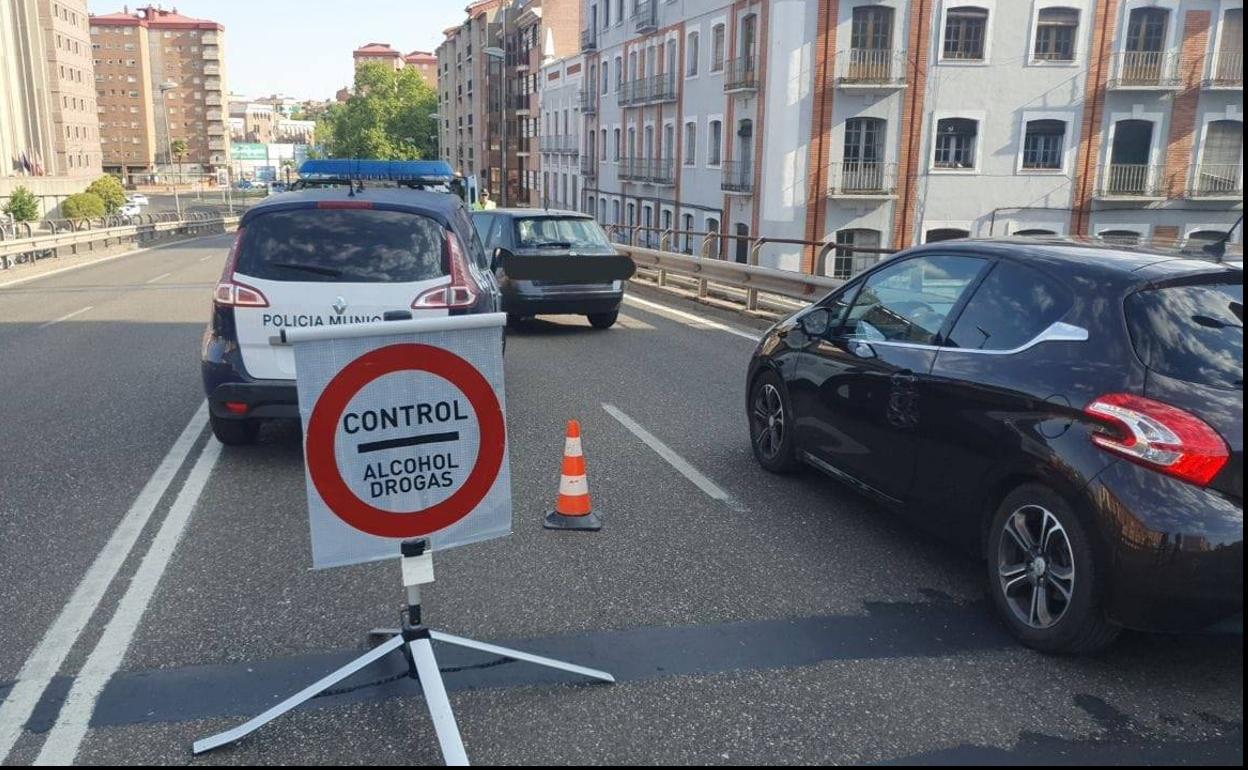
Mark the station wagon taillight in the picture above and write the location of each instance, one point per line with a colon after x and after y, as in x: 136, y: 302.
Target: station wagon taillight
x: 1159, y: 436
x: 231, y: 293
x: 461, y: 292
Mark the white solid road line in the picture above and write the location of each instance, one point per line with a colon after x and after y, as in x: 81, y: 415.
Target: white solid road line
x: 157, y: 278
x: 628, y: 322
x: 66, y: 317
x: 696, y: 321
x: 101, y: 260
x: 61, y: 745
x: 81, y: 607
x: 682, y: 466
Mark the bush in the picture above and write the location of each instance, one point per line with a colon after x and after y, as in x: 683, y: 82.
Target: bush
x: 110, y: 192
x: 83, y: 205
x: 23, y: 205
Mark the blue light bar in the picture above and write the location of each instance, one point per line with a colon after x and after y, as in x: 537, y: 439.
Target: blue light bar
x: 391, y: 170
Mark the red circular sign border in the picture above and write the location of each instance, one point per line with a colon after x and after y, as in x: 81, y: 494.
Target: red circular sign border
x: 323, y: 423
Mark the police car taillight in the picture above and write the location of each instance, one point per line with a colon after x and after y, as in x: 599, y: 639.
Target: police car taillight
x: 231, y: 293
x: 461, y: 292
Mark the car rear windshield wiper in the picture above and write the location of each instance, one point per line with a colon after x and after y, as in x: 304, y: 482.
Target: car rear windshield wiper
x: 329, y: 271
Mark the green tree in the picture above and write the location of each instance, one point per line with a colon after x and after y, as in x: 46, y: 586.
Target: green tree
x: 110, y: 192
x: 83, y: 205
x: 23, y: 206
x: 389, y: 117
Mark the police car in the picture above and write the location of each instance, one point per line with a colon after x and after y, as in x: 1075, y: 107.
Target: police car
x: 339, y: 250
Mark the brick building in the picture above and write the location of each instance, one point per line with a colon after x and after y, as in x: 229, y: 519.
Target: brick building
x: 136, y: 54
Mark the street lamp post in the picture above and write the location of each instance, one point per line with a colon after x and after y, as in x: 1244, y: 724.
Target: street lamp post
x: 165, y: 88
x: 500, y: 55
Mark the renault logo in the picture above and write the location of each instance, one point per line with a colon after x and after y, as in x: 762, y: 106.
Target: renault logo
x: 339, y: 306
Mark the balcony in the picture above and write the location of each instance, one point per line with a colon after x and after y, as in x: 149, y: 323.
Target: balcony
x: 1219, y: 181
x: 209, y: 38
x: 211, y: 84
x: 589, y: 167
x: 519, y: 102
x: 645, y: 16
x: 570, y: 145
x: 662, y: 88
x: 660, y: 171
x: 216, y: 144
x: 211, y: 52
x: 740, y: 75
x: 212, y: 69
x: 550, y: 144
x: 738, y: 177
x: 588, y: 102
x: 1130, y: 181
x: 651, y: 90
x: 216, y: 129
x: 854, y: 179
x: 871, y: 69
x: 1228, y: 71
x: 589, y: 40
x: 212, y: 100
x: 212, y: 115
x: 1144, y: 71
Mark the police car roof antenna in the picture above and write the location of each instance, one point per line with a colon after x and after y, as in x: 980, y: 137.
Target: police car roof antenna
x: 415, y: 640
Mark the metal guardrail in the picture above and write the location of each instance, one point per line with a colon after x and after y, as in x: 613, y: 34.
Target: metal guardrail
x: 107, y: 232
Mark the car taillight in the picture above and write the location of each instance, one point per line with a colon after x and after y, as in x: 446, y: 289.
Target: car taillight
x: 1159, y: 436
x: 230, y: 292
x: 461, y: 292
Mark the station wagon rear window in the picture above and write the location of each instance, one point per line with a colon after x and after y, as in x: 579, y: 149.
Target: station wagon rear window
x: 560, y: 232
x: 343, y: 246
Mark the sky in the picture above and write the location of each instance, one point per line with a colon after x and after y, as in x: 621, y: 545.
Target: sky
x: 302, y: 48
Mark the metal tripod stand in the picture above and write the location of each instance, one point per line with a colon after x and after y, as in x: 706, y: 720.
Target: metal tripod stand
x: 416, y: 640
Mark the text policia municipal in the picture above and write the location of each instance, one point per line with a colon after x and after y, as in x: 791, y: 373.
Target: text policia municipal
x: 409, y: 474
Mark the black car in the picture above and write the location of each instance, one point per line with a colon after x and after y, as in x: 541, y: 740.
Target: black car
x: 1073, y: 413
x: 326, y: 257
x: 550, y: 262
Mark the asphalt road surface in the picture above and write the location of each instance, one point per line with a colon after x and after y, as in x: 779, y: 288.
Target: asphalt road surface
x: 155, y: 589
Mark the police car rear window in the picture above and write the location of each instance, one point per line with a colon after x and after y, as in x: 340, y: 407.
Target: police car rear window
x: 343, y: 246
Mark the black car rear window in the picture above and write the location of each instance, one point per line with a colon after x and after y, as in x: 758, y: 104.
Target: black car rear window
x: 1193, y: 333
x: 343, y: 245
x: 560, y: 232
x: 1008, y: 310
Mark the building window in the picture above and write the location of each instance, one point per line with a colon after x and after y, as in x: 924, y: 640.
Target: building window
x: 1055, y: 34
x: 955, y: 143
x: 714, y: 143
x: 965, y: 30
x: 1043, y: 144
x: 945, y: 234
x: 691, y: 143
x: 717, y: 48
x: 691, y: 55
x: 847, y: 262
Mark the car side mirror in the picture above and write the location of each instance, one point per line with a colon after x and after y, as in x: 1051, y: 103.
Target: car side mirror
x: 816, y: 323
x: 501, y: 255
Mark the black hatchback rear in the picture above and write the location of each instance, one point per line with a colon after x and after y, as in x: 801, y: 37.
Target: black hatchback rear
x: 330, y: 257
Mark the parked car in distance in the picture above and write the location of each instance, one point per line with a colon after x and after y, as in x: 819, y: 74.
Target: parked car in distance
x: 138, y: 199
x: 130, y: 209
x: 1072, y: 413
x: 550, y: 262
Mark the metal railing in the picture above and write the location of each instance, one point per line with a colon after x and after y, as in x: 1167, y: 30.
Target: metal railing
x: 589, y: 40
x: 589, y: 166
x: 741, y: 74
x: 1129, y: 180
x: 738, y: 176
x: 645, y: 16
x: 1144, y: 69
x: 653, y: 170
x: 1214, y: 180
x: 588, y: 101
x: 651, y: 90
x: 853, y: 178
x: 73, y: 237
x: 1228, y: 70
x: 871, y: 67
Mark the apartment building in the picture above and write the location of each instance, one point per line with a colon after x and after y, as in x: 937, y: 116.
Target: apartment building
x: 463, y: 69
x: 561, y: 140
x: 425, y: 63
x: 259, y: 120
x: 529, y: 34
x: 160, y: 77
x: 883, y: 123
x: 49, y: 132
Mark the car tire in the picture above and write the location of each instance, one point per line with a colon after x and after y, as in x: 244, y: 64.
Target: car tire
x: 771, y: 420
x: 1043, y: 574
x: 603, y: 320
x: 235, y: 432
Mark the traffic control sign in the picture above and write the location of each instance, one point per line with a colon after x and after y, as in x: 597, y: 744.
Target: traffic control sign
x: 404, y: 434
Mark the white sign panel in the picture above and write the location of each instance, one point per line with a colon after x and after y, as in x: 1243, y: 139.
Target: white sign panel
x: 404, y: 435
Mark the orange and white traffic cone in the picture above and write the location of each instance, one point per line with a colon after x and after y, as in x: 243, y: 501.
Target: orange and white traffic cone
x: 572, y: 510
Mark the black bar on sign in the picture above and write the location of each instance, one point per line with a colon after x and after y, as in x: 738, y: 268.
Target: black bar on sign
x: 394, y: 443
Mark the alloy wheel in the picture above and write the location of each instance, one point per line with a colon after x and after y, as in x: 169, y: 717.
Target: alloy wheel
x: 1036, y: 566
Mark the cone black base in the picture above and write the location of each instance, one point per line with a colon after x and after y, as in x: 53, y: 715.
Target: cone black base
x: 589, y: 522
